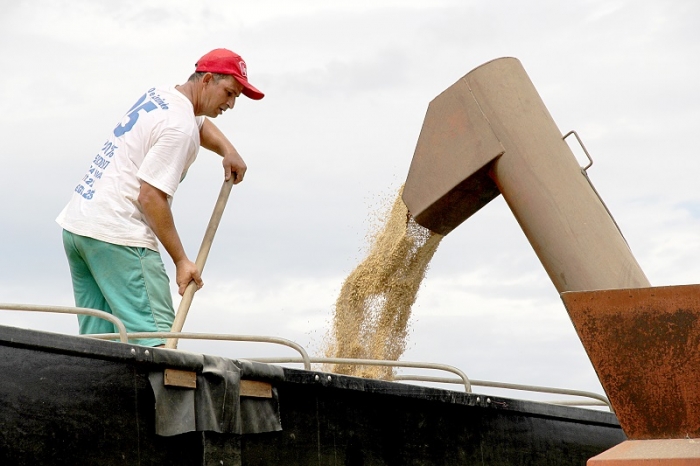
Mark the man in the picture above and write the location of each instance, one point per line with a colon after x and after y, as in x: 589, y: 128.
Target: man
x: 121, y: 208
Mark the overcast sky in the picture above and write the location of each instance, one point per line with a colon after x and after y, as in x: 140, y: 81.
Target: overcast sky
x: 347, y: 85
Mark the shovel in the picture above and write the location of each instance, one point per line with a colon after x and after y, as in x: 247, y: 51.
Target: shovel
x: 201, y: 259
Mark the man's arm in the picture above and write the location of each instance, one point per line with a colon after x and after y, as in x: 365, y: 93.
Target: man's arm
x: 213, y: 139
x: 156, y: 210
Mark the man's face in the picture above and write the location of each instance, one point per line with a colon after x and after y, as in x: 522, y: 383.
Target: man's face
x: 219, y: 96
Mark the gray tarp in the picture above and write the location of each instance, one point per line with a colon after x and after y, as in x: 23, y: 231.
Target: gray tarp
x: 215, y: 405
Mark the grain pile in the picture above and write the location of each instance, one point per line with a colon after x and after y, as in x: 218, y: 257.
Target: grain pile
x: 374, y: 306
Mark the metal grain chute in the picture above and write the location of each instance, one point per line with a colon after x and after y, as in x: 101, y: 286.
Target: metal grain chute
x: 490, y: 134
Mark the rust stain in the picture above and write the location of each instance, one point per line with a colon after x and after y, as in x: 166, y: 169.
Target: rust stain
x: 645, y: 347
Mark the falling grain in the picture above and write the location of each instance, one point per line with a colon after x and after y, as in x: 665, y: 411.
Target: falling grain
x: 372, y: 312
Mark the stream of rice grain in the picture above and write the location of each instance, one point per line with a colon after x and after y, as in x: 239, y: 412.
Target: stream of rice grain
x: 372, y: 312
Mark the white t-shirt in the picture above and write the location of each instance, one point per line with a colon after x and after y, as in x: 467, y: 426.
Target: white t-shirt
x: 156, y: 141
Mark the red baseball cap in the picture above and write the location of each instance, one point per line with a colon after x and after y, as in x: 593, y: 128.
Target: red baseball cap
x: 224, y: 61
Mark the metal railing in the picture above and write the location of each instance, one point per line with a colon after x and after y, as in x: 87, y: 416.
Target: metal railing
x: 600, y: 399
x: 305, y: 359
x: 70, y: 310
x: 378, y: 362
x: 124, y: 336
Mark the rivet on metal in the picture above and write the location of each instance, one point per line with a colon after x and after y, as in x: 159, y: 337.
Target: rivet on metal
x: 329, y: 378
x: 317, y: 378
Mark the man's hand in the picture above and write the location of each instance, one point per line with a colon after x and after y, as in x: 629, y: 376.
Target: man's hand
x: 234, y: 165
x: 185, y: 272
x: 156, y: 210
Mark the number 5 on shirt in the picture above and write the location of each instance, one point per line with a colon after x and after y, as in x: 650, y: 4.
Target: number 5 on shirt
x: 134, y: 115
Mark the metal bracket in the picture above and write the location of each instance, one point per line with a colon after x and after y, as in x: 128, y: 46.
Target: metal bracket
x: 590, y: 160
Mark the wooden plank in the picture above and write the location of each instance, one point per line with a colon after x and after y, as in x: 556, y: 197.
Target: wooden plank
x: 255, y: 388
x: 180, y: 378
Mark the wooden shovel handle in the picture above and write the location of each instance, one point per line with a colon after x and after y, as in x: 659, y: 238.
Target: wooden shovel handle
x: 186, y: 301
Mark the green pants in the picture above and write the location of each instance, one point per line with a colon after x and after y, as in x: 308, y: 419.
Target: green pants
x: 127, y: 282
